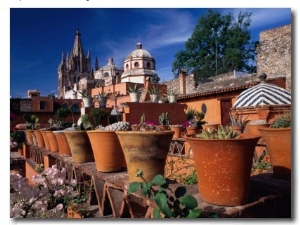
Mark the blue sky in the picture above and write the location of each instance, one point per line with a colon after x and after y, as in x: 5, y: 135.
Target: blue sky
x: 39, y: 36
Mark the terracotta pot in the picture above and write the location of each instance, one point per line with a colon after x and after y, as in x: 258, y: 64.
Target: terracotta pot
x: 177, y: 131
x: 237, y: 128
x: 192, y: 130
x: 39, y: 138
x: 107, y: 150
x: 212, y: 127
x: 62, y: 142
x: 253, y: 129
x: 146, y: 151
x: 29, y: 136
x: 163, y: 127
x: 224, y: 168
x: 52, y: 141
x: 278, y: 142
x: 20, y: 151
x: 80, y: 146
x: 45, y: 138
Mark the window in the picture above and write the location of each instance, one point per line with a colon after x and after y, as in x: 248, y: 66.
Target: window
x: 75, y: 108
x: 65, y: 105
x: 148, y: 65
x: 106, y: 74
x: 136, y: 65
x: 42, y: 105
x: 127, y: 67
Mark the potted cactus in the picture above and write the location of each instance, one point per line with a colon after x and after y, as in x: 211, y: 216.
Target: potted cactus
x: 134, y: 93
x: 164, y: 120
x: 278, y: 142
x: 154, y: 94
x: 223, y: 160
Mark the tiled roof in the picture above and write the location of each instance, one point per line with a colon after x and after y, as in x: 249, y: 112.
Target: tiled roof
x: 222, y: 84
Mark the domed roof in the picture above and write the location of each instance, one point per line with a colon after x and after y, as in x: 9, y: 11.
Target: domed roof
x: 110, y: 65
x: 263, y: 94
x: 139, y: 52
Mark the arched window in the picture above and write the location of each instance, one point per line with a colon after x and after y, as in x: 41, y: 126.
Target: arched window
x: 148, y: 65
x: 136, y: 65
x: 106, y: 74
x: 75, y: 108
x: 127, y: 67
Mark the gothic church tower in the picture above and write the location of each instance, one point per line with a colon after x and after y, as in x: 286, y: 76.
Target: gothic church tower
x: 74, y: 70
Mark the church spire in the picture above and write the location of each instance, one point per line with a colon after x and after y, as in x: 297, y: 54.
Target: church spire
x: 77, y: 48
x: 96, y: 64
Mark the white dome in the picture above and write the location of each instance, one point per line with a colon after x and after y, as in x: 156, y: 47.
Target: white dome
x: 139, y: 52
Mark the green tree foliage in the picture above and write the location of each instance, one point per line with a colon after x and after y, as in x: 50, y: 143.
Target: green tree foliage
x: 219, y: 44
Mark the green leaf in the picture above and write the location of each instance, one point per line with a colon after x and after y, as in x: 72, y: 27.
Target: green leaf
x: 145, y: 188
x: 158, y: 180
x: 189, y: 202
x: 133, y: 187
x: 180, y: 191
x: 194, y: 213
x: 157, y: 213
x: 162, y: 202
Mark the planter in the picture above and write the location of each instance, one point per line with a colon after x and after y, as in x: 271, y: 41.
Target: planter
x: 154, y: 98
x: 177, y: 131
x: 102, y: 102
x: 224, y: 168
x: 278, y: 142
x: 80, y: 146
x: 20, y: 151
x: 39, y: 138
x: 172, y: 98
x: 29, y: 136
x: 146, y: 151
x: 253, y: 129
x: 163, y: 127
x: 87, y: 102
x: 52, y: 141
x: 107, y: 150
x: 134, y: 96
x: 237, y: 128
x: 62, y: 142
x: 210, y: 126
x: 192, y: 130
x: 45, y: 138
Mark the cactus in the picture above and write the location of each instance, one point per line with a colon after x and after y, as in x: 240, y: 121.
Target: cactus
x: 221, y: 133
x: 164, y: 119
x: 143, y: 118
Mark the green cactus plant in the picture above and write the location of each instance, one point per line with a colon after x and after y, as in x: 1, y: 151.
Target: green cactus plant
x: 164, y: 118
x: 223, y: 132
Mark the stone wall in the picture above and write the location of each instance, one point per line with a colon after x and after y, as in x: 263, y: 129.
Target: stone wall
x: 274, y: 53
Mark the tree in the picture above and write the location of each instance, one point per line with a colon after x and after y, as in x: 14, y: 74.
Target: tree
x: 219, y: 44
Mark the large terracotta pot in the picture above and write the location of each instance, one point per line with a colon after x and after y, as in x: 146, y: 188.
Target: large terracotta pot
x: 45, y: 138
x: 62, y: 142
x: 146, y: 151
x: 29, y: 137
x: 52, y: 141
x: 253, y: 129
x: 39, y: 138
x: 278, y: 142
x: 107, y: 150
x: 80, y: 146
x: 224, y: 168
x: 177, y: 131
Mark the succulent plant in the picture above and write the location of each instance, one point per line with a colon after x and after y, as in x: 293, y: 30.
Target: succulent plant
x: 282, y: 121
x: 116, y: 126
x: 221, y: 133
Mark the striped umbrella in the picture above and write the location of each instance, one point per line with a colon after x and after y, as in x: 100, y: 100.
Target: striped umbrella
x: 263, y: 94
